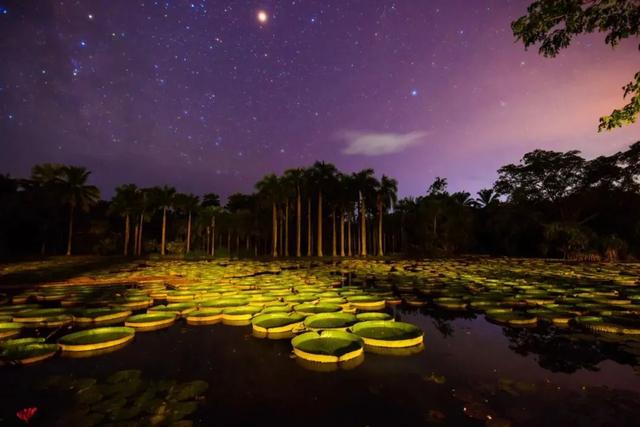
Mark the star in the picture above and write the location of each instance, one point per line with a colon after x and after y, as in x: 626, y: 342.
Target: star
x: 90, y: 16
x: 414, y: 92
x: 262, y: 17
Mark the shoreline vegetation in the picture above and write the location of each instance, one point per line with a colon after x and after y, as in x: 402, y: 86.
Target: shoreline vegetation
x: 549, y: 205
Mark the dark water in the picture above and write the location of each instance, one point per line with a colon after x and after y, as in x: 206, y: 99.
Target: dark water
x: 527, y: 377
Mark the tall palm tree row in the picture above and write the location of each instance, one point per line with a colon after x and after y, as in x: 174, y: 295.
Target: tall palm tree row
x: 313, y: 207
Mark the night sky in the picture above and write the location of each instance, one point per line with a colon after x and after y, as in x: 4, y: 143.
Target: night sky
x: 211, y: 95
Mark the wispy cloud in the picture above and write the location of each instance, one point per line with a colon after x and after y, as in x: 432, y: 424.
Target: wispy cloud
x: 378, y: 144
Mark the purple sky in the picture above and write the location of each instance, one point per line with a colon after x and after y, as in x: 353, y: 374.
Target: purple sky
x: 204, y: 97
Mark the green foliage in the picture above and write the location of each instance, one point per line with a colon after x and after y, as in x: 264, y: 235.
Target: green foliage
x: 541, y: 175
x: 554, y: 23
x: 566, y: 238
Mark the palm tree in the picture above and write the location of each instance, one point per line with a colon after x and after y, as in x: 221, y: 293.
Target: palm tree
x: 332, y: 188
x: 269, y: 189
x: 43, y: 187
x: 206, y: 221
x: 436, y: 195
x: 404, y: 208
x: 210, y: 208
x: 162, y: 198
x: 322, y: 173
x: 486, y: 197
x: 463, y: 198
x: 187, y: 203
x: 365, y: 184
x: 346, y: 200
x: 124, y: 204
x: 210, y: 199
x: 295, y: 177
x: 308, y: 184
x: 76, y: 194
x: 386, y: 197
x: 47, y: 173
x: 143, y: 207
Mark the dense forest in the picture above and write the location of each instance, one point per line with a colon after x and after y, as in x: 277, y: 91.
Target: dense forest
x: 550, y: 204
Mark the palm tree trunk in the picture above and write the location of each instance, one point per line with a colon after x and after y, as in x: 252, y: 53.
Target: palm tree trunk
x: 280, y: 237
x: 357, y: 237
x: 349, y: 235
x: 136, y: 229
x: 298, y: 225
x: 207, y: 240
x: 70, y: 237
x: 334, y: 252
x: 319, y: 239
x: 341, y: 232
x: 140, y: 247
x: 274, y: 230
x: 126, y: 235
x: 380, y: 249
x: 309, y: 226
x: 213, y: 236
x: 189, y: 233
x: 164, y: 230
x: 363, y: 228
x: 286, y: 229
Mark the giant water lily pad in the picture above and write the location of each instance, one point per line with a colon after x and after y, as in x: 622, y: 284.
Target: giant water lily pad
x: 239, y: 316
x: 386, y: 333
x: 100, y: 315
x: 310, y: 308
x: 204, y: 316
x: 327, y: 346
x: 512, y: 318
x: 43, y: 317
x: 25, y: 351
x: 277, y: 323
x: 151, y: 321
x: 179, y: 309
x: 96, y: 339
x: 330, y: 321
x: 9, y: 329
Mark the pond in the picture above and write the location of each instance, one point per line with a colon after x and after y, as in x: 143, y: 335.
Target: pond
x: 472, y: 368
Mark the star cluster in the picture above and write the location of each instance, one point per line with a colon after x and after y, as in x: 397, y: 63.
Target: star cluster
x: 211, y: 95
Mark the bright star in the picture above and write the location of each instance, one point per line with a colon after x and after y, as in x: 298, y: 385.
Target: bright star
x: 414, y: 92
x: 262, y: 17
x: 90, y: 16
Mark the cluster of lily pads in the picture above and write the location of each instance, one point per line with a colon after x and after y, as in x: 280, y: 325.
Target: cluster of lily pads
x: 327, y: 321
x: 332, y: 311
x: 602, y: 298
x: 125, y: 398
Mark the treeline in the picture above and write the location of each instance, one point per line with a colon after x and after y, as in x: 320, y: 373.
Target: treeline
x: 550, y: 204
